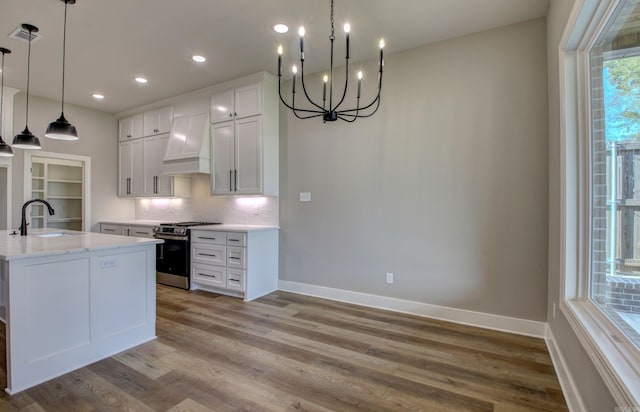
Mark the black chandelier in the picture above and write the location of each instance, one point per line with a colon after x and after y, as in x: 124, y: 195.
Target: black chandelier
x: 332, y: 112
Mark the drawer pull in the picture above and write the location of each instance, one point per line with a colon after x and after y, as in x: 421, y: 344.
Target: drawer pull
x: 207, y: 275
x: 207, y: 254
x: 234, y: 240
x: 141, y: 233
x: 207, y: 238
x: 108, y: 230
x: 234, y: 280
x: 234, y: 258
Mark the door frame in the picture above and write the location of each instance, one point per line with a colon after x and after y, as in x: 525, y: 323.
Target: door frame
x: 86, y: 179
x: 7, y: 163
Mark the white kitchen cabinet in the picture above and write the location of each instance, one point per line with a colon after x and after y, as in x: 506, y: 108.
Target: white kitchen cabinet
x: 237, y: 157
x: 242, y: 264
x: 155, y: 183
x: 130, y: 168
x: 126, y: 230
x: 140, y: 170
x: 158, y: 121
x: 131, y: 127
x: 237, y: 103
x: 245, y: 145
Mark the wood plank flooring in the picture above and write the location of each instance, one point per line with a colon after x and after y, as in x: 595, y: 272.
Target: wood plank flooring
x: 287, y: 352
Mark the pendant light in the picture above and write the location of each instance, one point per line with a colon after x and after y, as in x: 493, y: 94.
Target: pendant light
x: 26, y: 139
x: 5, y: 149
x: 61, y: 129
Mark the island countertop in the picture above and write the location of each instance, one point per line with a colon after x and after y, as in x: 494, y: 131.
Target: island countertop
x: 47, y: 242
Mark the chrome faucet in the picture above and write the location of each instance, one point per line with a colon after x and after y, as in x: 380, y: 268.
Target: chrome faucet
x: 23, y: 225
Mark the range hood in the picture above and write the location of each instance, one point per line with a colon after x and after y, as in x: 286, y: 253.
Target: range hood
x: 188, y: 147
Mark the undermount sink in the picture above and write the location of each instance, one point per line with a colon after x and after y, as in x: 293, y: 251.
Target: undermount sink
x: 50, y: 234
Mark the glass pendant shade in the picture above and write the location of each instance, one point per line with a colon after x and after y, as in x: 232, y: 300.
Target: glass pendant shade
x: 5, y: 149
x: 61, y: 129
x: 26, y: 139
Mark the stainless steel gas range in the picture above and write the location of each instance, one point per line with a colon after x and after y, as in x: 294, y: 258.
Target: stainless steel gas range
x: 173, y: 261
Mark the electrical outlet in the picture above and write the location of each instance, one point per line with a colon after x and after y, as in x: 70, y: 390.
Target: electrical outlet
x: 390, y: 278
x: 554, y: 310
x: 305, y: 196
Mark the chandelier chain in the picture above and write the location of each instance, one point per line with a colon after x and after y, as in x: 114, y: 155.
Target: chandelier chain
x: 332, y: 32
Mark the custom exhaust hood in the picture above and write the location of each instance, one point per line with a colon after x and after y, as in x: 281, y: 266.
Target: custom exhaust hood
x: 189, y: 145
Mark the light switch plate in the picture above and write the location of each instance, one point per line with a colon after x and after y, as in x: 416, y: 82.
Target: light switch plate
x: 305, y: 196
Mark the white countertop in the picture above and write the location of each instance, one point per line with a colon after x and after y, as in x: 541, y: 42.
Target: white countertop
x: 32, y: 245
x: 235, y: 228
x: 223, y: 228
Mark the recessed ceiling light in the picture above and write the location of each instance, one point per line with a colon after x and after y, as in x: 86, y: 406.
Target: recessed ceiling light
x: 198, y: 58
x: 98, y: 96
x: 281, y: 28
x: 141, y: 80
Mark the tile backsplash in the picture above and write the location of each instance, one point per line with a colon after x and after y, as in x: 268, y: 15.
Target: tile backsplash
x: 201, y: 206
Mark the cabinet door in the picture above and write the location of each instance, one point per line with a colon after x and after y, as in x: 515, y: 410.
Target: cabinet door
x: 248, y: 101
x: 131, y: 159
x: 130, y: 127
x: 158, y: 121
x: 111, y: 229
x: 131, y: 180
x: 222, y: 181
x: 155, y: 183
x: 248, y: 156
x: 222, y: 107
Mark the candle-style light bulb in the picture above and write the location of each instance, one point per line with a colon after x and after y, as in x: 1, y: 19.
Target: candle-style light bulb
x: 280, y: 50
x: 301, y: 33
x: 280, y: 60
x: 359, y: 83
x: 360, y: 75
x: 381, y: 64
x: 347, y: 29
x: 381, y: 44
x: 294, y: 69
x: 325, y: 79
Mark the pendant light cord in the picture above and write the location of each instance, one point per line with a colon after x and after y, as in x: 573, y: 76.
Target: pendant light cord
x: 28, y: 75
x: 64, y: 51
x: 1, y: 95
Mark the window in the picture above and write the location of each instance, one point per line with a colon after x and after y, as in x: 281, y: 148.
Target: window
x: 600, y: 84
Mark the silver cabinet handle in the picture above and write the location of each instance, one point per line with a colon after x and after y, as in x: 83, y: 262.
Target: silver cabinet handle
x: 208, y: 238
x: 234, y: 258
x: 234, y: 240
x: 235, y: 178
x: 230, y: 179
x: 207, y: 254
x: 128, y: 185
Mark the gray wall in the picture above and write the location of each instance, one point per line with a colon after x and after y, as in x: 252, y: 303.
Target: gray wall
x: 446, y: 186
x: 3, y: 203
x: 592, y: 389
x: 98, y: 140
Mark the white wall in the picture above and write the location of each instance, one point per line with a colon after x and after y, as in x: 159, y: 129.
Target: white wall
x: 590, y: 386
x: 3, y: 191
x: 446, y: 186
x: 98, y: 140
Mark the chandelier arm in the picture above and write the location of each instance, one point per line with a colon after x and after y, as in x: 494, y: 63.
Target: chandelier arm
x: 306, y: 117
x: 362, y: 116
x: 304, y: 88
x: 346, y: 84
x: 293, y: 108
x: 377, y: 99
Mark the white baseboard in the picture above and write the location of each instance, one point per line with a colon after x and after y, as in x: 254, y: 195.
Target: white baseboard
x: 462, y: 316
x: 569, y: 389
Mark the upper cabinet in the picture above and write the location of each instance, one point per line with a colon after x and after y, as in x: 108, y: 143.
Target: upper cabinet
x: 237, y: 103
x: 245, y: 141
x: 158, y: 121
x: 140, y: 171
x: 130, y: 127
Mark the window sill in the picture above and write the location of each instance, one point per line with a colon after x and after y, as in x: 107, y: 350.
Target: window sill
x: 614, y: 356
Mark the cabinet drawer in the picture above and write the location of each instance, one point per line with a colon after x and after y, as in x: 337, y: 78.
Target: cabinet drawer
x: 236, y: 239
x: 111, y: 229
x: 206, y: 253
x: 214, y: 238
x: 236, y: 257
x: 141, y: 231
x: 235, y: 279
x: 209, y: 275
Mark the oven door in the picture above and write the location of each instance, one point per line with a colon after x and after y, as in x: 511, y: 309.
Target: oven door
x: 172, y: 261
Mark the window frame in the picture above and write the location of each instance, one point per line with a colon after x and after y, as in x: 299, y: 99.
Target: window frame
x: 615, y: 357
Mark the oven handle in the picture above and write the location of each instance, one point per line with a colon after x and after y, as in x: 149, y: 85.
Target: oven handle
x: 170, y: 237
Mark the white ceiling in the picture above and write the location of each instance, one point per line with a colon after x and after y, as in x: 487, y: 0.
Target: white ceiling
x: 109, y: 42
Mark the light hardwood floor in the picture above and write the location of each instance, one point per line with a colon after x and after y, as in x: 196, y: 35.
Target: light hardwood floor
x: 288, y: 352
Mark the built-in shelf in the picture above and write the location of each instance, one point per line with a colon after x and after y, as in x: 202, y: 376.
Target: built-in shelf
x: 58, y: 181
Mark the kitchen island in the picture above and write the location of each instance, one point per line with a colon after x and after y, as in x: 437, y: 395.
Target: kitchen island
x: 72, y: 298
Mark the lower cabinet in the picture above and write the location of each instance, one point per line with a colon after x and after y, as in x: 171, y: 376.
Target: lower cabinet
x: 242, y: 264
x: 125, y: 230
